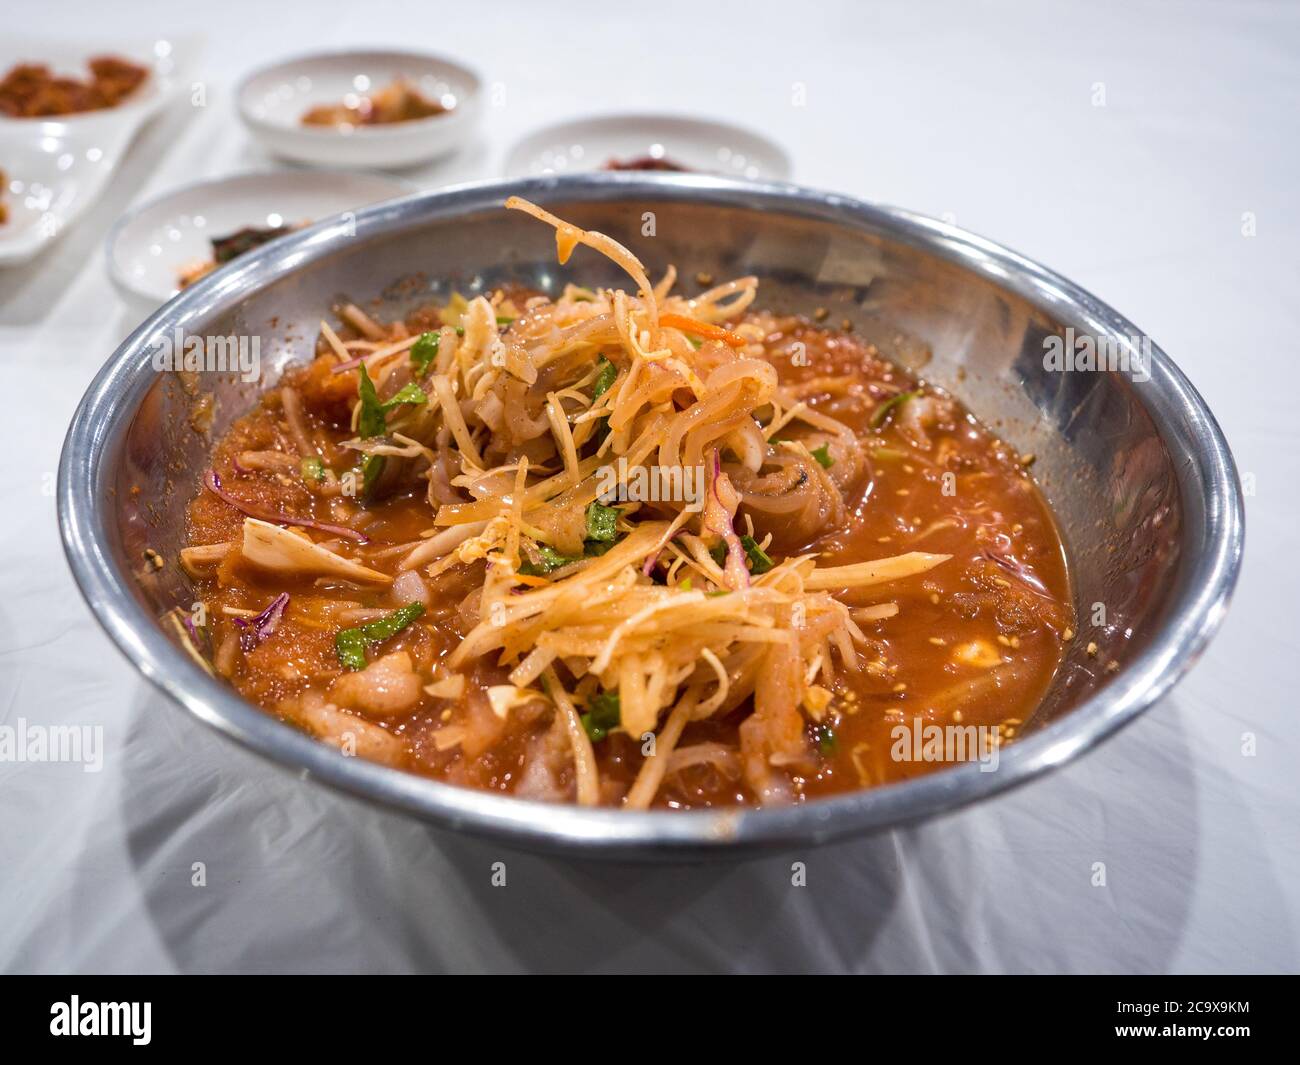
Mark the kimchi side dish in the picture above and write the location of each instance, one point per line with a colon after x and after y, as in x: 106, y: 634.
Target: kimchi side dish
x: 623, y: 547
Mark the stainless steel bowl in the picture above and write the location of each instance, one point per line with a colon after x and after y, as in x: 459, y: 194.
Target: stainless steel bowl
x: 1138, y: 471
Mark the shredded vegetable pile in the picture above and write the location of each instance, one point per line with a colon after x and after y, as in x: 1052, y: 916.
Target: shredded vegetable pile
x: 528, y: 424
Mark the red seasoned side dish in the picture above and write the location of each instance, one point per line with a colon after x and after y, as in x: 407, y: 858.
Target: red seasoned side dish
x: 33, y: 90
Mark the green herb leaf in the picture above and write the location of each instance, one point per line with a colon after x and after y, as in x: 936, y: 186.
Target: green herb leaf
x: 885, y: 409
x: 424, y: 351
x: 351, y: 644
x: 827, y: 742
x: 409, y: 393
x: 371, y: 468
x: 823, y: 455
x: 602, y: 522
x: 606, y: 375
x: 759, y: 562
x: 549, y: 559
x: 371, y: 421
x: 603, y: 715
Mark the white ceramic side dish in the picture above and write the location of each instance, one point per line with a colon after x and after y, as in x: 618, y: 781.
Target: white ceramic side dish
x: 151, y: 244
x: 273, y: 100
x: 56, y: 168
x: 693, y: 143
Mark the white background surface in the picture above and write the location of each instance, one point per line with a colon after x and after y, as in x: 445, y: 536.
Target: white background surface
x: 983, y: 111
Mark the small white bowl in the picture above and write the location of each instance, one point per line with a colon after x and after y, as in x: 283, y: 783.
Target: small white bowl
x: 273, y: 99
x: 149, y: 245
x: 58, y: 166
x: 703, y: 145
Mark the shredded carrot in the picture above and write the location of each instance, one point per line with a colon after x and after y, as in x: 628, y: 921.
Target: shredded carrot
x: 532, y: 582
x: 702, y: 329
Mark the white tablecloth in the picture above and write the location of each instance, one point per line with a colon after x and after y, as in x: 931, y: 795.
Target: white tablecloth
x: 985, y: 113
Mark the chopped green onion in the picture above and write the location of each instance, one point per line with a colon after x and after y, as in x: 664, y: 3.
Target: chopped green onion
x: 827, y: 742
x: 312, y: 469
x: 503, y: 319
x: 759, y: 562
x: 685, y: 585
x: 823, y: 455
x: 351, y: 644
x: 603, y: 715
x: 885, y: 409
